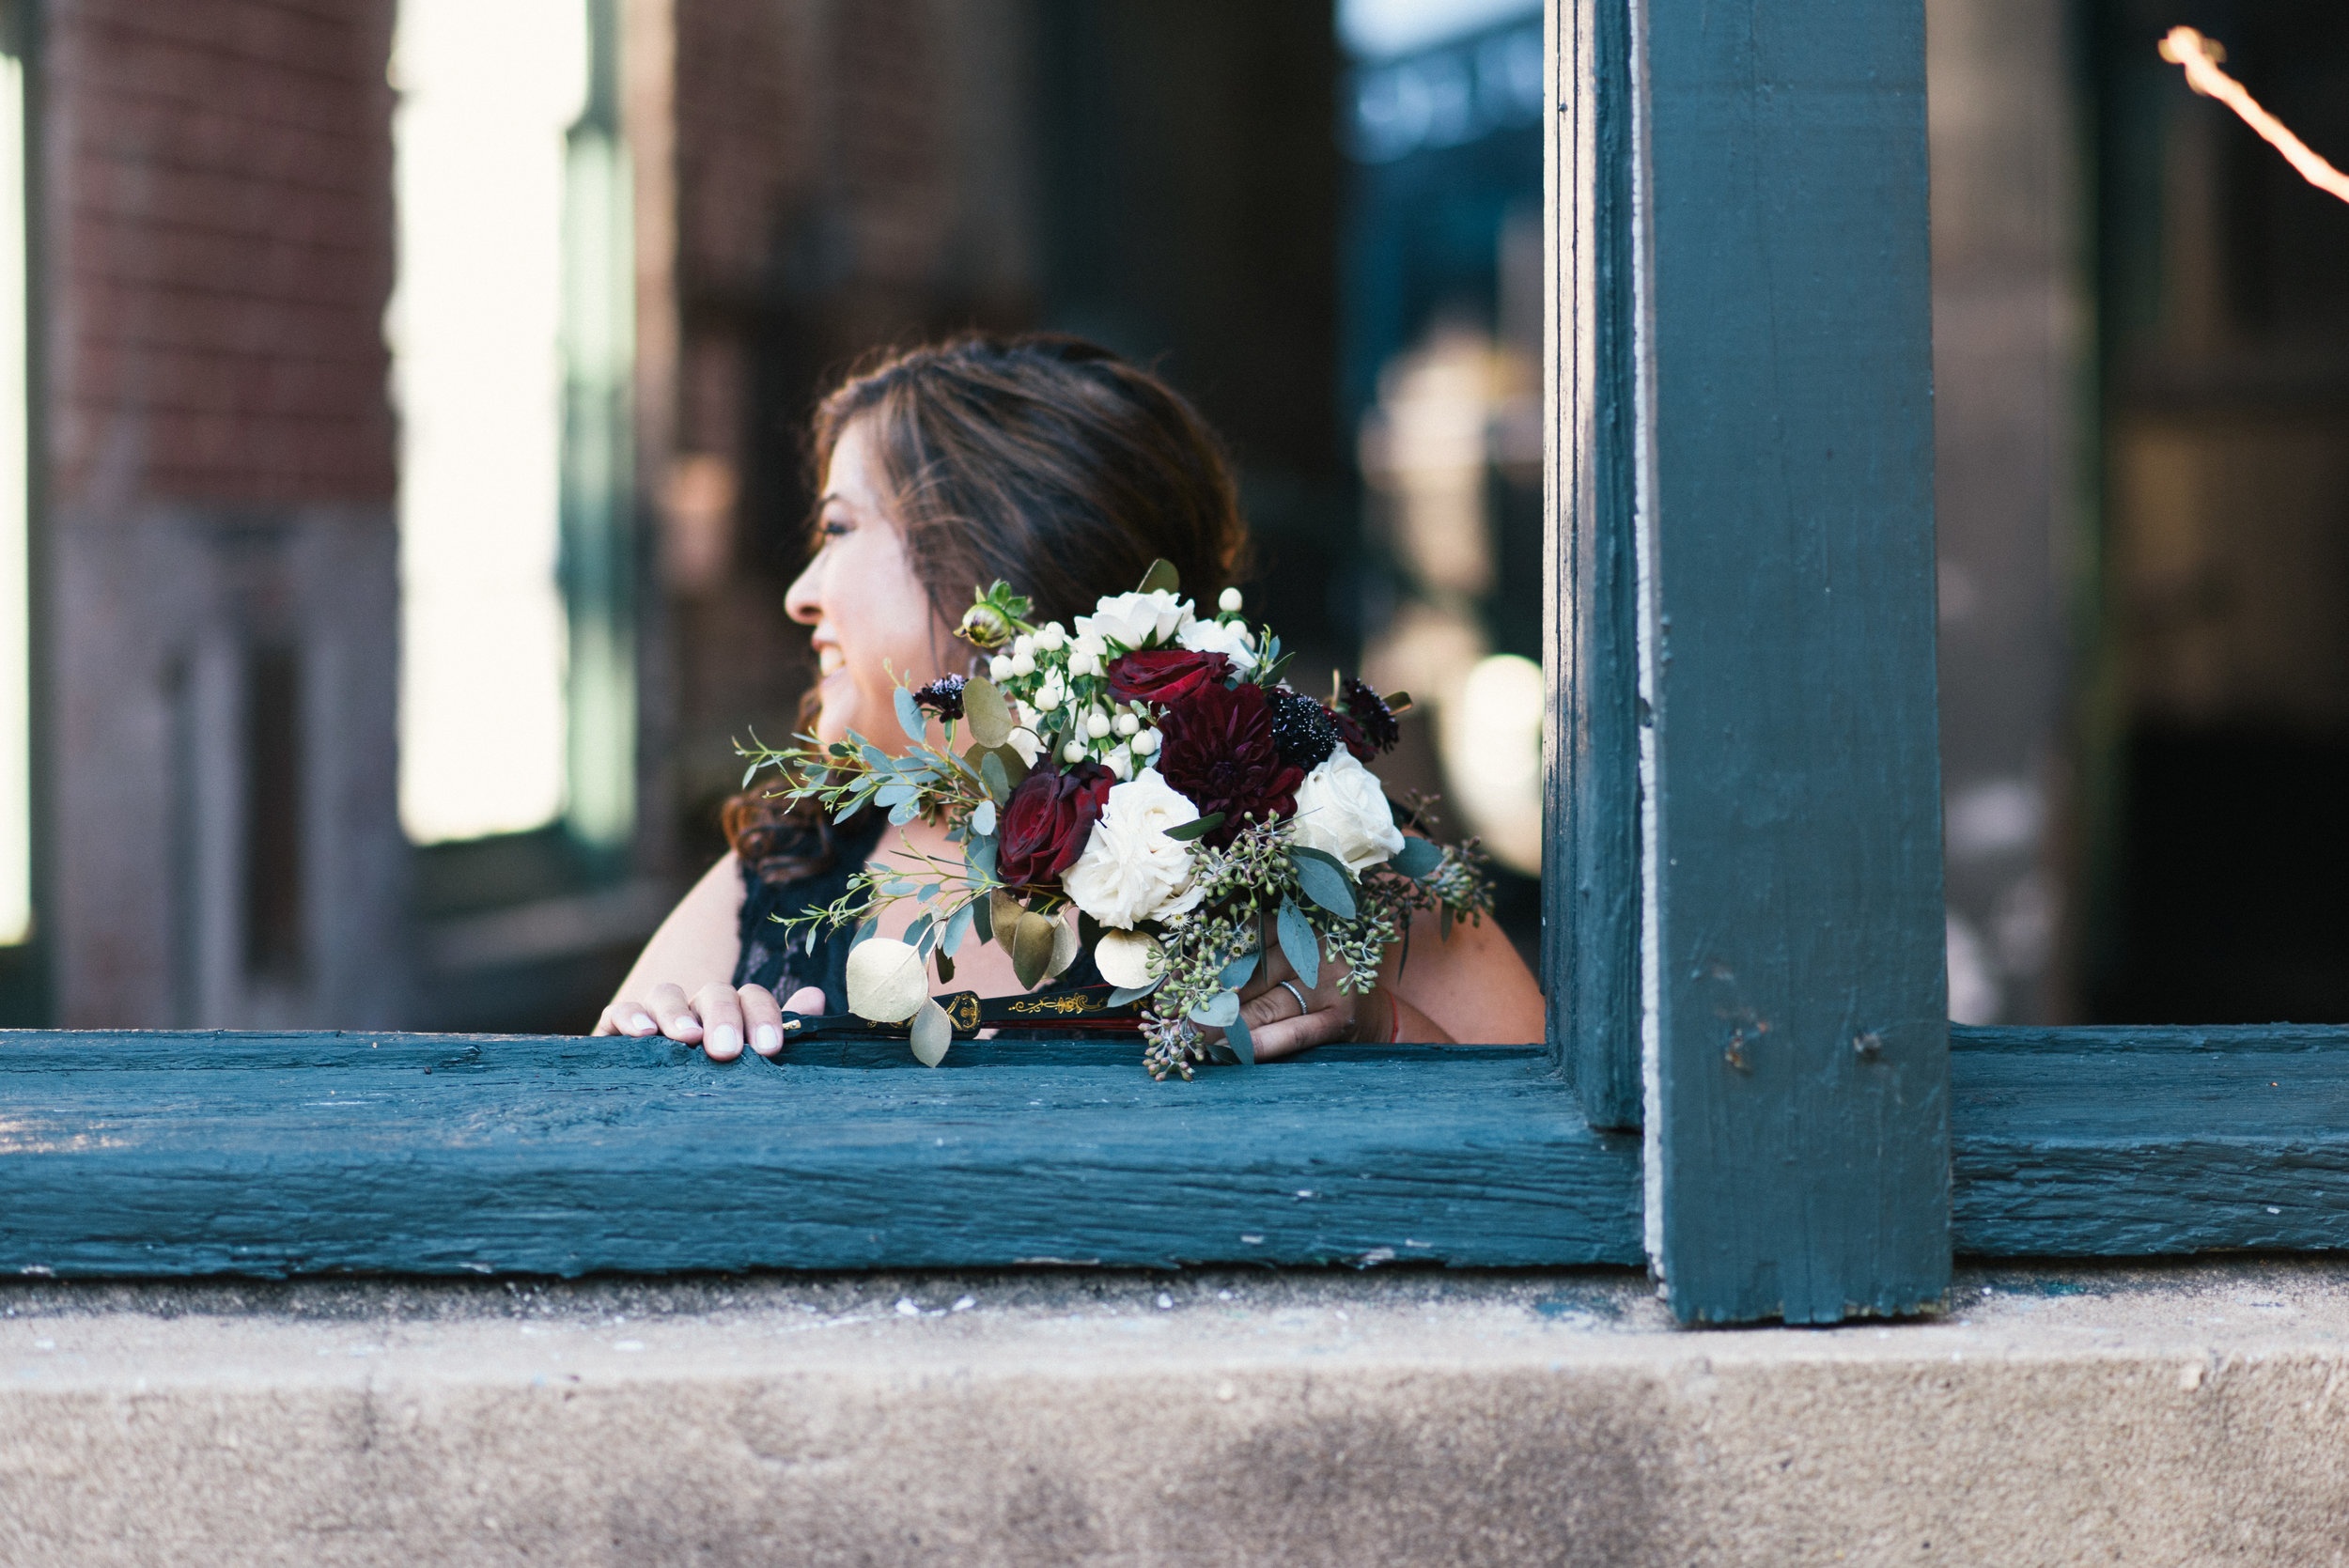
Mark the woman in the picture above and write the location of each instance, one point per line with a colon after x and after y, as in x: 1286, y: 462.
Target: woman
x: 1059, y: 469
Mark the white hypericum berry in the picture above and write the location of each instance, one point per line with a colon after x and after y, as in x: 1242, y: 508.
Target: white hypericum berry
x: 1228, y: 601
x: 1097, y: 724
x: 1024, y: 664
x: 1146, y: 742
x: 999, y: 668
x: 1128, y: 724
x: 1073, y: 752
x: 1052, y: 636
x: 1023, y: 643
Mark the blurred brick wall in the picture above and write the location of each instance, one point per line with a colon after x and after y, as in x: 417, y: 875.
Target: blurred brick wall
x: 220, y: 251
x: 216, y: 212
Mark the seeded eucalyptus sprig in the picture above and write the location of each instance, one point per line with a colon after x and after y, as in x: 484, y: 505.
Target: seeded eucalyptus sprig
x: 1263, y: 889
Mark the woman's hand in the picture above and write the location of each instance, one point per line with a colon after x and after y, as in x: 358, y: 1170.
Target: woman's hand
x: 718, y: 1018
x: 1279, y: 1024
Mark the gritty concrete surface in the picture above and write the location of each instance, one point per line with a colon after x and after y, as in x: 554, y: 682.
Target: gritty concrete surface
x: 2178, y: 1415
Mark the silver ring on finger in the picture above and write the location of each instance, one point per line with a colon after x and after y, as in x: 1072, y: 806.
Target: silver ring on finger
x: 1302, y: 1008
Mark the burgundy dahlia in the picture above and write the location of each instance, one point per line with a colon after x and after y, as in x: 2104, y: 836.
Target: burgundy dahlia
x: 1219, y: 751
x: 1047, y: 820
x: 1164, y: 676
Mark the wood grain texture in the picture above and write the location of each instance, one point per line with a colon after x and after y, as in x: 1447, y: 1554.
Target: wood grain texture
x: 2120, y: 1142
x: 1803, y: 1070
x: 179, y: 1153
x: 1591, y: 881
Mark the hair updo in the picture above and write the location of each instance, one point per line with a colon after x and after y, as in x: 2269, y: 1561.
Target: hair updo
x: 1043, y: 460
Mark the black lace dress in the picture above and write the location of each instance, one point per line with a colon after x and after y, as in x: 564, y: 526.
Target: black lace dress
x: 782, y: 967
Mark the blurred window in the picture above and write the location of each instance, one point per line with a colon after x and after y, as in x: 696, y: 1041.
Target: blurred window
x: 489, y: 94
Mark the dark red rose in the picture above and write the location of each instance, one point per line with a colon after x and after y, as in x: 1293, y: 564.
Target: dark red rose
x: 1047, y: 821
x: 1220, y: 753
x: 1164, y: 676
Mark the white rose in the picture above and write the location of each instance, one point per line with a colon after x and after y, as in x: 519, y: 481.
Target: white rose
x: 1131, y: 871
x: 1230, y: 639
x: 1135, y: 619
x: 1341, y: 810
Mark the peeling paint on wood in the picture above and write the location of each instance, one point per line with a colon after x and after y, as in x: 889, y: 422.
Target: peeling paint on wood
x: 1591, y: 878
x: 179, y: 1153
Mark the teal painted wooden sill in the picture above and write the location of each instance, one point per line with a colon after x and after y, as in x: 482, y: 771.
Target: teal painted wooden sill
x: 177, y: 1153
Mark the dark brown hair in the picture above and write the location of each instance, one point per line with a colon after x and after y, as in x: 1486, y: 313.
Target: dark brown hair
x: 1043, y: 460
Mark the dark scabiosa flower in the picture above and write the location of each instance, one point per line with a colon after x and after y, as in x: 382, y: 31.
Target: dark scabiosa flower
x: 1367, y: 725
x: 1048, y: 821
x: 943, y: 696
x: 1303, y: 730
x: 1218, y: 752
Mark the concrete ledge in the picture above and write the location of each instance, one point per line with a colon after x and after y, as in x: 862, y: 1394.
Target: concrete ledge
x: 2190, y: 1414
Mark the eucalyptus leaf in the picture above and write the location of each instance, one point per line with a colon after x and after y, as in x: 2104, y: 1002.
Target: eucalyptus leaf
x: 1218, y: 1011
x: 980, y: 853
x: 984, y: 710
x: 945, y: 967
x: 932, y: 1033
x: 850, y: 809
x: 909, y: 716
x: 865, y: 931
x: 1236, y: 1035
x: 1124, y: 994
x: 983, y: 817
x: 1162, y: 576
x: 1324, y: 881
x: 903, y: 812
x: 875, y: 758
x: 1417, y: 858
x: 957, y: 927
x: 1298, y: 943
x: 983, y: 918
x: 1006, y: 910
x: 1032, y: 948
x: 1443, y: 923
x: 1237, y: 972
x: 915, y: 932
x: 1199, y: 828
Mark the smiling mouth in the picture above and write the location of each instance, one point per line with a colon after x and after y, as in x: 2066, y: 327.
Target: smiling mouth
x: 830, y: 660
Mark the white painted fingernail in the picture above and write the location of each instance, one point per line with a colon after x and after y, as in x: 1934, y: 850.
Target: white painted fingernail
x: 639, y: 1024
x: 725, y: 1040
x: 766, y: 1039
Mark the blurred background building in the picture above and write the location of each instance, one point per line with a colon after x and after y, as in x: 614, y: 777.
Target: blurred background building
x: 400, y: 468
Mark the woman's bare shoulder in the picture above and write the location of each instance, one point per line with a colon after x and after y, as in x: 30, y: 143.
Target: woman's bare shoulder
x: 1470, y: 983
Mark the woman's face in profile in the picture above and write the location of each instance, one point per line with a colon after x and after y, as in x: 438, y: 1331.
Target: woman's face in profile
x: 870, y: 612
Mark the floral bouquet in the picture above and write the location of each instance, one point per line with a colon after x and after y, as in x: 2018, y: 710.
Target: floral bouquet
x: 1145, y: 787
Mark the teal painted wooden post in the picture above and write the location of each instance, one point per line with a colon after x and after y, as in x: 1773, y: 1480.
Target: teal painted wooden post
x: 1797, y: 1107
x: 1590, y: 887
